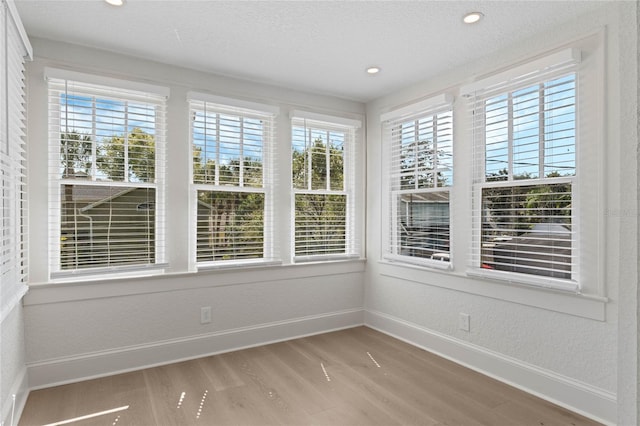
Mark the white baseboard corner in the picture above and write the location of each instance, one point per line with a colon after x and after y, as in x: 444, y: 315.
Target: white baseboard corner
x: 11, y: 412
x: 71, y: 369
x: 589, y: 401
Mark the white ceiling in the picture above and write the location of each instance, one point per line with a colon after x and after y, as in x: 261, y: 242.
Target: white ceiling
x: 317, y: 46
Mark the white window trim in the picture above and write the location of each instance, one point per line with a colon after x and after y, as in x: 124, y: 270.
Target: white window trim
x: 353, y: 239
x: 243, y: 108
x: 591, y: 302
x: 534, y: 72
x: 415, y: 110
x: 55, y: 273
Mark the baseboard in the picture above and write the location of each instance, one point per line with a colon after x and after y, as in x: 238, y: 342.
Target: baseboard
x: 10, y: 412
x: 98, y: 364
x: 590, y: 401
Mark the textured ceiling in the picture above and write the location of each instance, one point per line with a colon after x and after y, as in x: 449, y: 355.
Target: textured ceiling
x: 317, y: 46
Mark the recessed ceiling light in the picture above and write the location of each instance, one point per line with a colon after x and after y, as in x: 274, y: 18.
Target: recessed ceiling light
x: 472, y: 17
x: 115, y: 2
x: 373, y: 70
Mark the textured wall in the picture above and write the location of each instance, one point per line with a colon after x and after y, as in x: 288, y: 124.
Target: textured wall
x: 80, y: 327
x: 579, y: 348
x: 12, y: 367
x: 75, y: 319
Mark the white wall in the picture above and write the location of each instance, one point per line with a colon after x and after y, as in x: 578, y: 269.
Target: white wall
x: 13, y: 373
x: 528, y: 339
x: 91, y: 328
x: 82, y: 329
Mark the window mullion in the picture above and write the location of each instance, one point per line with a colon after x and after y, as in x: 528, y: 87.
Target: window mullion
x: 434, y: 152
x: 327, y: 153
x: 510, y: 136
x: 94, y: 140
x: 416, y: 153
x: 126, y: 142
x: 241, y: 150
x: 308, y: 143
x: 217, y: 165
x: 541, y: 130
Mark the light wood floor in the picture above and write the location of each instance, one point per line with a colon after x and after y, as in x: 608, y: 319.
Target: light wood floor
x: 351, y: 377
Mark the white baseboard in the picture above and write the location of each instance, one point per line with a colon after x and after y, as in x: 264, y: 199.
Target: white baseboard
x: 98, y: 364
x: 10, y: 412
x: 590, y: 401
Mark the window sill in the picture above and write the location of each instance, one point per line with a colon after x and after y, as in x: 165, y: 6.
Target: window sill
x: 577, y: 304
x: 417, y: 262
x: 97, y: 288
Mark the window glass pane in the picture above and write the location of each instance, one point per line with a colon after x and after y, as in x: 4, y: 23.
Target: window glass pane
x: 444, y: 152
x: 425, y: 152
x: 204, y: 134
x: 496, y: 134
x: 336, y: 160
x: 227, y: 149
x: 230, y: 225
x: 104, y: 226
x: 76, y: 155
x: 526, y: 133
x: 527, y: 229
x: 319, y: 144
x: 423, y: 224
x: 300, y: 158
x: 531, y: 133
x: 252, y: 153
x: 560, y: 127
x: 320, y: 224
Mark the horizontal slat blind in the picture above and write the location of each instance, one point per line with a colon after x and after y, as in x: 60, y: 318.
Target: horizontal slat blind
x: 323, y: 175
x: 525, y: 169
x: 233, y: 179
x: 106, y: 166
x: 419, y: 167
x: 13, y: 240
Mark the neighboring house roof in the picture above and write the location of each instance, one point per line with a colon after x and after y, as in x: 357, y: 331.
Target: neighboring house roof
x: 108, y: 198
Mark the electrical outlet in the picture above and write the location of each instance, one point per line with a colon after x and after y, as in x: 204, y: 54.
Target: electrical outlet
x: 464, y: 322
x: 205, y: 315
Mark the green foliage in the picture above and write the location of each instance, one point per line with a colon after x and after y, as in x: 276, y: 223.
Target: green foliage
x: 418, y: 163
x: 75, y: 154
x: 320, y: 219
x: 230, y: 224
x: 140, y: 150
x: 317, y: 174
x: 520, y: 207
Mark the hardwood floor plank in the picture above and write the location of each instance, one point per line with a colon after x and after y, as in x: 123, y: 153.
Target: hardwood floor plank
x: 350, y: 377
x: 220, y: 373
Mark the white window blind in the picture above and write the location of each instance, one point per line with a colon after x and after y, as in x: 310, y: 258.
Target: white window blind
x: 232, y: 153
x: 524, y: 128
x: 15, y: 49
x: 106, y: 168
x: 323, y: 178
x: 419, y: 170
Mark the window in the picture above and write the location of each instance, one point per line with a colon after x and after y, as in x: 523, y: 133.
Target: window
x: 419, y: 168
x: 13, y: 261
x: 232, y: 179
x: 323, y: 179
x: 526, y: 169
x: 106, y: 150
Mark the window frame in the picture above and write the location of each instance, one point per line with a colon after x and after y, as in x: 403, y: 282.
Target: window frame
x: 203, y: 102
x: 538, y: 71
x: 430, y: 108
x: 308, y: 121
x: 114, y: 90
